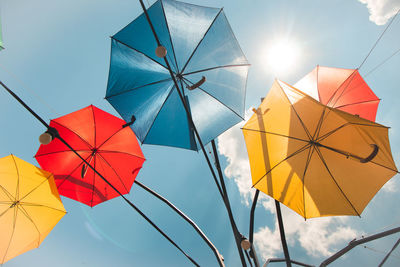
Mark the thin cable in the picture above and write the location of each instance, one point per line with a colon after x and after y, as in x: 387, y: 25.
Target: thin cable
x: 381, y: 252
x: 380, y: 37
x: 384, y: 61
x: 23, y: 85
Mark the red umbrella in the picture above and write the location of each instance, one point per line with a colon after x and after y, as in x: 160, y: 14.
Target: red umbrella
x: 104, y: 143
x: 343, y: 89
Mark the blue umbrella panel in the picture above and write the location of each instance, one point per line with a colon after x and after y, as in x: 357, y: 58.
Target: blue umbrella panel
x: 206, y: 61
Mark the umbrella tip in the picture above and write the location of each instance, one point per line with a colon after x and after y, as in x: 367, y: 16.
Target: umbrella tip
x: 161, y: 51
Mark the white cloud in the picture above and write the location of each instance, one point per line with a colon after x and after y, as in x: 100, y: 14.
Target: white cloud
x: 330, y: 233
x: 381, y: 10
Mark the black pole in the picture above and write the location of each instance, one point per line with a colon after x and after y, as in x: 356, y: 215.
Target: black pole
x: 186, y: 218
x: 238, y: 236
x: 390, y: 252
x: 251, y: 230
x: 54, y: 131
x: 282, y: 233
x: 188, y: 114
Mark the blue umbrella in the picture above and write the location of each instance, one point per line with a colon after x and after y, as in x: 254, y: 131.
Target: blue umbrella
x: 206, y: 61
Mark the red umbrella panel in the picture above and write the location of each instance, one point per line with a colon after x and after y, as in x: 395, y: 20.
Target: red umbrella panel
x: 343, y: 89
x: 104, y: 143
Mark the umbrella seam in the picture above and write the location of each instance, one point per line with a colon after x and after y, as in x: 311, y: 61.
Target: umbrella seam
x: 217, y: 67
x: 184, y: 79
x: 121, y: 152
x: 139, y: 52
x: 25, y: 213
x: 127, y: 191
x: 12, y: 234
x: 295, y: 111
x: 42, y: 182
x: 170, y: 37
x: 333, y: 178
x: 287, y: 157
x: 286, y: 136
x: 70, y: 174
x: 135, y: 88
x: 356, y: 103
x: 90, y: 146
x: 204, y: 35
x: 63, y: 151
x: 8, y: 194
x: 16, y: 168
x: 41, y: 205
x: 151, y: 126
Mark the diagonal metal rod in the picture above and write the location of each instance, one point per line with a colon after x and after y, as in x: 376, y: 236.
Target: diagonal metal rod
x: 101, y: 176
x: 251, y: 229
x: 241, y: 254
x: 390, y: 252
x: 355, y: 243
x: 185, y: 217
x: 282, y: 233
x: 237, y: 235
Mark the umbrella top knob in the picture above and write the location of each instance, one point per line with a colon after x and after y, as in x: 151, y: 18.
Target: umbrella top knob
x: 161, y: 51
x: 15, y: 203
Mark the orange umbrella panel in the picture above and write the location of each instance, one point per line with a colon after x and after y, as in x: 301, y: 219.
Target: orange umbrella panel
x: 317, y: 160
x: 30, y: 206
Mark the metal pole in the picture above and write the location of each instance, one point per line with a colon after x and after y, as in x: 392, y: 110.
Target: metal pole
x: 242, y: 258
x: 251, y: 230
x: 185, y: 217
x: 101, y: 176
x: 237, y: 235
x: 390, y: 252
x: 355, y: 243
x: 282, y: 233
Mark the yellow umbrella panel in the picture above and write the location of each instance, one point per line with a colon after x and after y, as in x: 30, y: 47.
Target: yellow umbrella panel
x: 29, y: 206
x: 316, y: 160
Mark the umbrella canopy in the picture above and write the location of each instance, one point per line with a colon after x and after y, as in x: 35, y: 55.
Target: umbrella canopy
x: 30, y: 206
x: 206, y: 60
x: 102, y: 141
x: 317, y: 160
x: 343, y: 89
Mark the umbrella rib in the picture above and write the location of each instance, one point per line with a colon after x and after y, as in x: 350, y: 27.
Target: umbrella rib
x: 135, y: 88
x: 93, y: 180
x: 120, y: 152
x: 319, y: 125
x: 152, y: 123
x: 40, y: 205
x: 186, y: 80
x: 112, y: 37
x: 17, y: 187
x: 45, y: 180
x: 127, y: 191
x: 8, y: 194
x: 333, y: 178
x: 69, y: 175
x: 310, y: 153
x: 356, y: 103
x: 63, y: 151
x: 12, y: 234
x: 89, y: 145
x: 5, y: 211
x: 23, y: 211
x: 320, y: 138
x: 295, y: 111
x: 282, y: 135
x: 383, y: 166
x: 169, y: 34
x: 218, y: 67
x: 351, y: 77
x: 288, y: 157
x: 194, y: 51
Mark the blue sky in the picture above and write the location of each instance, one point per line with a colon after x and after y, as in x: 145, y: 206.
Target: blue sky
x: 57, y: 58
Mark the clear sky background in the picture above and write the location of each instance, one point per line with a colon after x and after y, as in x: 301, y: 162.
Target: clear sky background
x: 56, y: 58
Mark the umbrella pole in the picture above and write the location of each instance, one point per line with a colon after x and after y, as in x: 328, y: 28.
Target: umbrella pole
x: 186, y: 218
x: 251, y: 230
x: 101, y: 176
x: 282, y: 233
x: 241, y: 254
x: 237, y: 235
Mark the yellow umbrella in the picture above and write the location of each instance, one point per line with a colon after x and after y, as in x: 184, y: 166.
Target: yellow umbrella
x: 316, y: 160
x: 29, y: 206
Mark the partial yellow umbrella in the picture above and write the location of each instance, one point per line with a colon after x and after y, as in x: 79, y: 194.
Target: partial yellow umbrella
x: 29, y: 206
x: 316, y: 160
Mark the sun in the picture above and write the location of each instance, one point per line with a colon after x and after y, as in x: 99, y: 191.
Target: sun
x: 281, y: 56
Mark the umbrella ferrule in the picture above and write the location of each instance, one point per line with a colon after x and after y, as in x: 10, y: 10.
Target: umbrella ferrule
x: 15, y: 203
